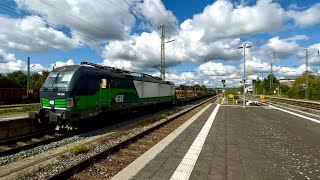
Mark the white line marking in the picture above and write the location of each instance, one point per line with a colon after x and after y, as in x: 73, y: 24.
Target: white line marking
x: 185, y: 167
x: 296, y: 114
x: 133, y: 168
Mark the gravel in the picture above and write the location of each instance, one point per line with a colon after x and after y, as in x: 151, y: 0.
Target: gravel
x: 68, y: 161
x: 44, y: 148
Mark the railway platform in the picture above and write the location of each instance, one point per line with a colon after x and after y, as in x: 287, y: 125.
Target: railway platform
x: 13, y: 116
x: 230, y: 142
x: 14, y: 125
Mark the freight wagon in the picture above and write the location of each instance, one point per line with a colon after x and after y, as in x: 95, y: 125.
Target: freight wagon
x: 18, y: 95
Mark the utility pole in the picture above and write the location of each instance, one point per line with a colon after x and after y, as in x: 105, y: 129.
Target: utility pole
x: 271, y: 78
x: 162, y: 54
x: 307, y: 74
x: 244, y: 46
x: 270, y: 92
x: 28, y: 77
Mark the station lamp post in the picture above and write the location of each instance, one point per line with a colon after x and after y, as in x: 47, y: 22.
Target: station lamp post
x: 244, y: 46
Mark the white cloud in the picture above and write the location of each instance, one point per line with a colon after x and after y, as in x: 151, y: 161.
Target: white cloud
x: 99, y: 20
x: 61, y: 63
x: 185, y: 78
x: 28, y: 35
x: 157, y: 14
x: 19, y: 65
x: 212, y: 34
x: 307, y: 17
x: 222, y: 20
x: 6, y: 57
x: 216, y: 69
x: 256, y: 65
x: 142, y: 51
x: 284, y: 71
x: 283, y: 48
x: 121, y: 64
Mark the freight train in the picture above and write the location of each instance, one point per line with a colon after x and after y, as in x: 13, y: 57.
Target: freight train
x: 18, y: 95
x: 76, y: 92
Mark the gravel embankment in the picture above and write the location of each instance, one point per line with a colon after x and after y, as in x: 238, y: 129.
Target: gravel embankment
x: 70, y: 160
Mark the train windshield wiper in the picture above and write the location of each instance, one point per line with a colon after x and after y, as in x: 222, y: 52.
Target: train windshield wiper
x: 55, y: 80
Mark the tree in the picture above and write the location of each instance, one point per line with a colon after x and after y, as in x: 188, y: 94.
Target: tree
x: 19, y: 77
x: 266, y: 84
x: 5, y: 82
x: 298, y: 88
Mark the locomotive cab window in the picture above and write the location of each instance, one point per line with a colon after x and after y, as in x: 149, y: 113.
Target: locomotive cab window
x: 58, y: 79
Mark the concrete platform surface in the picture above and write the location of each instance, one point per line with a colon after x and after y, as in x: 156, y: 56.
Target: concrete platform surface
x: 13, y: 116
x: 251, y: 143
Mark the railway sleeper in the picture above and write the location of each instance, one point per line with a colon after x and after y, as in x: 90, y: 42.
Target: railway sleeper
x: 84, y: 176
x: 132, y: 152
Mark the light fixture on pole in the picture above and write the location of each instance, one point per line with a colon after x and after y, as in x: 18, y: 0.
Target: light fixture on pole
x: 244, y: 46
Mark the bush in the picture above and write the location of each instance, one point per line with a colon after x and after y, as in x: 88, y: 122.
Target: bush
x: 79, y: 149
x: 31, y: 107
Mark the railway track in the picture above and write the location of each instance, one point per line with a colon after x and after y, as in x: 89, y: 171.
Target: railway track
x: 118, y: 156
x: 14, y: 145
x: 299, y: 103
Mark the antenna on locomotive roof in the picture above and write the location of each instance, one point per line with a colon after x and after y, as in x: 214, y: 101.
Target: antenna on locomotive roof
x: 117, y: 70
x: 112, y: 69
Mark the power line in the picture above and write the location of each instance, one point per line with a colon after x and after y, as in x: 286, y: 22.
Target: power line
x: 69, y: 14
x: 13, y: 10
x: 119, y: 7
x: 173, y: 27
x: 149, y: 23
x: 143, y: 19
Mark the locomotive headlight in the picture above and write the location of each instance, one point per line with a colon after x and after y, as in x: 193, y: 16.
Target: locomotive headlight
x: 70, y: 102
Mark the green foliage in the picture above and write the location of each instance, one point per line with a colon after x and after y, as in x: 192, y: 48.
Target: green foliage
x: 18, y: 79
x: 162, y: 116
x: 24, y: 108
x: 79, y: 149
x: 297, y: 91
x: 233, y: 91
x: 30, y: 107
x: 6, y: 82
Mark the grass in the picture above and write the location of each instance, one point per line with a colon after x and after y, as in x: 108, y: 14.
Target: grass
x: 24, y: 108
x: 79, y: 149
x: 162, y: 116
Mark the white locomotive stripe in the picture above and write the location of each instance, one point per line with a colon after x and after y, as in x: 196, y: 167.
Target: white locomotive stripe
x: 296, y: 114
x: 60, y: 108
x: 185, y: 167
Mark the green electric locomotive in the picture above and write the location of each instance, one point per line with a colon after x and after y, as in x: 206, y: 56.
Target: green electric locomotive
x: 72, y: 93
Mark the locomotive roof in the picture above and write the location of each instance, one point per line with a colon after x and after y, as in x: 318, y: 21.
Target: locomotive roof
x: 67, y: 68
x: 98, y: 71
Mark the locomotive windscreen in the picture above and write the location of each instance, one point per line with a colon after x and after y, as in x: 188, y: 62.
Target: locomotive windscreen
x: 58, y: 79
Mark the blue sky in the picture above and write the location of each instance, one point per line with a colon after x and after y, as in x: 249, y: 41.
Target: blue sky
x: 206, y: 36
